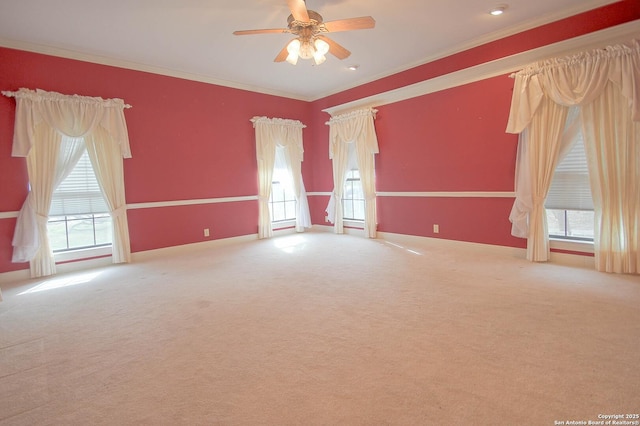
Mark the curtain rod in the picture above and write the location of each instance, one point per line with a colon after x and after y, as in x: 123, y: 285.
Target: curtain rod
x: 11, y: 94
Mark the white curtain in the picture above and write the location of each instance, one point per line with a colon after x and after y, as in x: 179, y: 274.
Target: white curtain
x: 42, y: 120
x: 357, y: 128
x: 605, y: 84
x: 615, y: 180
x: 287, y: 134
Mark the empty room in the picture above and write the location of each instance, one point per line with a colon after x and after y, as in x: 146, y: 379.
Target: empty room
x: 322, y: 212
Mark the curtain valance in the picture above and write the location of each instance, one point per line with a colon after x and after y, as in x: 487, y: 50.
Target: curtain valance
x: 71, y: 115
x: 277, y: 121
x: 356, y: 126
x: 281, y: 132
x: 284, y: 134
x: 353, y: 130
x: 575, y: 80
x: 604, y: 87
x: 51, y: 131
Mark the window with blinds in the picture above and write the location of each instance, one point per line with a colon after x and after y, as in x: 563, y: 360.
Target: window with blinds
x: 78, y: 193
x: 570, y: 187
x: 569, y: 203
x: 78, y: 217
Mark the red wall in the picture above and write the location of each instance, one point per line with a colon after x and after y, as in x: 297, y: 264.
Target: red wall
x: 450, y: 141
x: 193, y: 140
x: 189, y: 140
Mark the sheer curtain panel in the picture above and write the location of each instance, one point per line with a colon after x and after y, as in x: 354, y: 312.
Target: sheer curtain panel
x: 357, y: 128
x: 605, y: 85
x: 285, y: 133
x: 43, y: 119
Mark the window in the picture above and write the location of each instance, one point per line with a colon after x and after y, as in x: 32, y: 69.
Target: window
x: 282, y: 203
x: 79, y: 216
x: 353, y: 197
x: 569, y: 204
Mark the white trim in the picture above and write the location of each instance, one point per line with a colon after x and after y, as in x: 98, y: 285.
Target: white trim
x: 560, y: 258
x: 137, y: 66
x: 283, y: 224
x: 435, y: 194
x: 502, y: 66
x: 571, y: 245
x: 142, y: 256
x: 413, y: 240
x: 585, y: 6
x: 24, y: 274
x: 156, y: 204
x: 449, y: 194
x: 83, y: 254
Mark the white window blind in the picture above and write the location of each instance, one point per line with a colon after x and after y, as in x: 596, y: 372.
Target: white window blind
x: 79, y: 192
x: 570, y: 189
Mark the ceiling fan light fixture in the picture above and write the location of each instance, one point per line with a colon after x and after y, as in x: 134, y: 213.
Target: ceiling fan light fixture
x: 321, y: 46
x: 294, y: 51
x: 318, y: 57
x: 292, y: 58
x: 306, y: 50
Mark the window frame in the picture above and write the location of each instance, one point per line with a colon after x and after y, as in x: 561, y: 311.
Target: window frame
x: 286, y: 192
x: 349, y: 177
x: 60, y: 214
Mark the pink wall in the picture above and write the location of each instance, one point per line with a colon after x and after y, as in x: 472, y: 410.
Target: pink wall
x: 193, y: 140
x: 450, y: 141
x: 189, y: 140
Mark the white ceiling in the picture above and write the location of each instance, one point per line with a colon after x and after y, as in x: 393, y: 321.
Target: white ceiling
x: 193, y: 38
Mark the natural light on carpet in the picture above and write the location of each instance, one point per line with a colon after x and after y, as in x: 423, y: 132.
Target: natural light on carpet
x: 403, y: 248
x: 290, y: 244
x: 63, y: 282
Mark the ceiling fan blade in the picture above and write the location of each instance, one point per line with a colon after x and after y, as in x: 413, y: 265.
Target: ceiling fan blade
x: 335, y: 49
x: 298, y: 10
x: 362, y: 23
x: 282, y: 56
x: 265, y: 31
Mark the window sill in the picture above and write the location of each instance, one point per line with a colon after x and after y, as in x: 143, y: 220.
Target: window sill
x: 283, y: 224
x: 571, y: 245
x: 87, y: 253
x: 352, y: 223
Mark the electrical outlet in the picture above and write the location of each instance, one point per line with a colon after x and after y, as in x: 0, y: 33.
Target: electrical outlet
x: 436, y: 228
x: 206, y: 232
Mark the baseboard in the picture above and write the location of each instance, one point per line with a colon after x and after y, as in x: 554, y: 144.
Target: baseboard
x: 185, y: 248
x: 61, y: 268
x: 567, y: 259
x: 415, y: 240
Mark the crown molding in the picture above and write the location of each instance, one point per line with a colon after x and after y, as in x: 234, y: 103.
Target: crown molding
x: 137, y: 66
x: 502, y: 66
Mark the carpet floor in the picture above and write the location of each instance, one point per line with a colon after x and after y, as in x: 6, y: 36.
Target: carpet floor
x: 321, y: 329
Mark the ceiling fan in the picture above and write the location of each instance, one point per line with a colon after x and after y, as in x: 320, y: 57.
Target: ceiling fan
x: 310, y: 29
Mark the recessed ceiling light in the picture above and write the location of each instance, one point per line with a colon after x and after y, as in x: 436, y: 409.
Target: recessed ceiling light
x: 498, y: 10
x: 354, y: 67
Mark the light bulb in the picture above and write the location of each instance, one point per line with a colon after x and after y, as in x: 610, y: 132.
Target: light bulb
x: 498, y: 10
x: 292, y: 58
x: 294, y: 46
x: 318, y: 57
x: 321, y: 46
x: 306, y: 50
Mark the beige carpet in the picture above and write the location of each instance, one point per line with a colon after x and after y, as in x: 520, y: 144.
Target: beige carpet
x: 320, y: 329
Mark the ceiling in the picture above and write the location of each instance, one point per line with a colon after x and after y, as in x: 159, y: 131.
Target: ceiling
x: 193, y: 38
